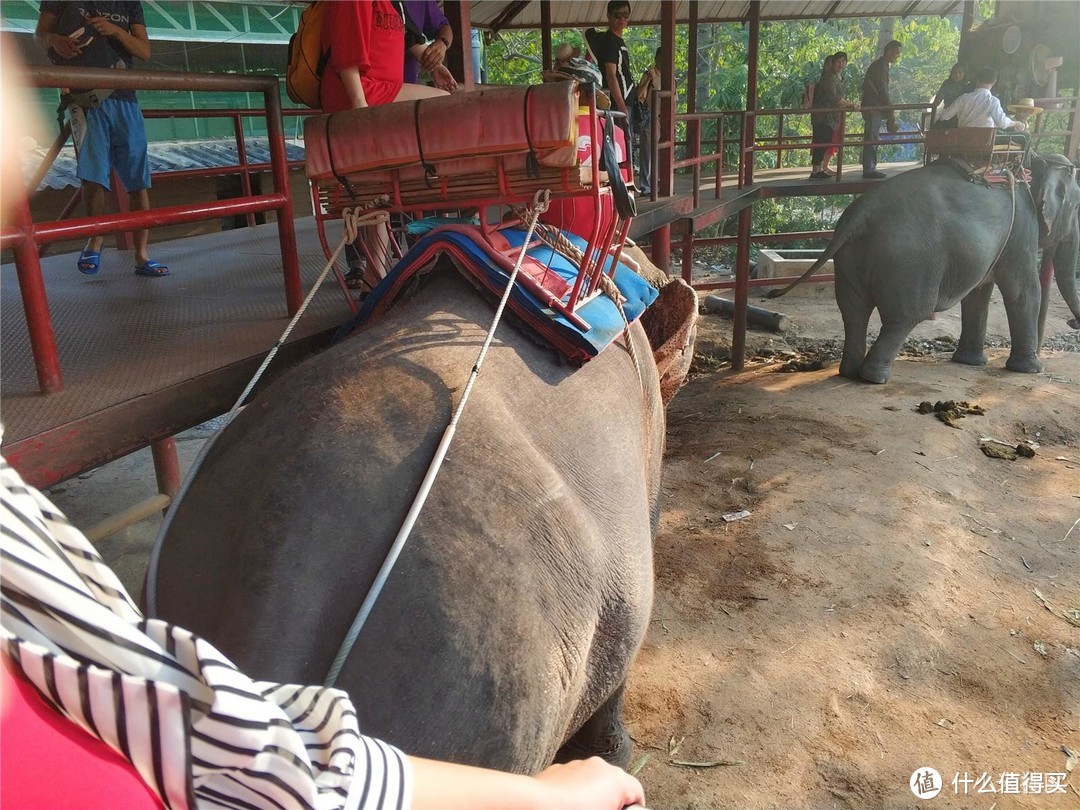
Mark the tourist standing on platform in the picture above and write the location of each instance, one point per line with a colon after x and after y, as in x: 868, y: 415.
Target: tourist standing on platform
x: 875, y: 93
x: 613, y: 58
x: 829, y: 93
x: 650, y: 80
x: 952, y: 88
x: 107, y: 126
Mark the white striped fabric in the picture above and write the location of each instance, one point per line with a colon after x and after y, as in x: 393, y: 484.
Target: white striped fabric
x: 201, y: 733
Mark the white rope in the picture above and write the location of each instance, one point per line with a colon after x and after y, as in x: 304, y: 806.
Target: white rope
x: 353, y: 220
x: 539, y: 205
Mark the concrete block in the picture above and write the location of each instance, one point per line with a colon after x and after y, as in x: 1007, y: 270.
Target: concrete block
x: 781, y: 263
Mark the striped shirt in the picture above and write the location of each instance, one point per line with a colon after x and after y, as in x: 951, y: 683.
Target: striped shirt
x: 198, y: 731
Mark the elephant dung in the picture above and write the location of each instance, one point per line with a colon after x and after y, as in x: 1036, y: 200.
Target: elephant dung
x: 951, y: 410
x: 995, y: 448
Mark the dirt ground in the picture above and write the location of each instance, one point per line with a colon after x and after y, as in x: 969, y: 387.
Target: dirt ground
x: 896, y: 600
x: 879, y: 610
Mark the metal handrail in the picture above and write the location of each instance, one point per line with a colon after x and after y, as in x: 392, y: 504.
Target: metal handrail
x: 26, y: 236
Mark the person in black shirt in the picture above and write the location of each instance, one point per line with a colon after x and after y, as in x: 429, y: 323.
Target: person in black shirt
x: 613, y: 58
x: 104, y: 34
x: 875, y: 93
x: 952, y: 88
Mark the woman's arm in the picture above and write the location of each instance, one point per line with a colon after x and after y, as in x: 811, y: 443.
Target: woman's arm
x: 590, y: 784
x: 350, y: 77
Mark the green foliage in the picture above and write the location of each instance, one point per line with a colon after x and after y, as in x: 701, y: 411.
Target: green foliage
x: 789, y: 57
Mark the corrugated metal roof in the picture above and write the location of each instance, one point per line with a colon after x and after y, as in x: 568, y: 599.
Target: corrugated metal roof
x: 164, y: 157
x: 526, y: 13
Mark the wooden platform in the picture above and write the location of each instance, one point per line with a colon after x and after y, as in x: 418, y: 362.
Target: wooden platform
x: 145, y: 358
x: 711, y: 208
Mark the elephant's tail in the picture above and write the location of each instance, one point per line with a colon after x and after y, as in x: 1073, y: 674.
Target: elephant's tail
x: 847, y: 228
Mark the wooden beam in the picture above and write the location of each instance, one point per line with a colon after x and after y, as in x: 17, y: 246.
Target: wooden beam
x: 951, y: 9
x: 545, y: 33
x: 914, y: 5
x: 831, y: 11
x: 509, y: 14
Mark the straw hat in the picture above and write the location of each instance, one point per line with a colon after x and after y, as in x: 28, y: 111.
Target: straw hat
x: 1025, y: 105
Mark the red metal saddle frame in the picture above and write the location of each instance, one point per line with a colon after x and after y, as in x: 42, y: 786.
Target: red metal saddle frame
x: 508, y: 184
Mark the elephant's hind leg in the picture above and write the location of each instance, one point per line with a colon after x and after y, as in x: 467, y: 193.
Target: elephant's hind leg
x: 877, y: 367
x: 856, y: 313
x: 603, y: 735
x: 973, y: 310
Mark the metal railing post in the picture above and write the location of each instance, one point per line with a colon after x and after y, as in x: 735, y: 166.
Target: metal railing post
x: 719, y: 157
x: 290, y: 257
x: 696, y: 141
x: 742, y: 290
x: 779, y: 140
x: 35, y: 302
x: 241, y: 156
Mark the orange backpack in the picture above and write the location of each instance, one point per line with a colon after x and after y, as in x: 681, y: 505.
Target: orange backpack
x: 306, y: 58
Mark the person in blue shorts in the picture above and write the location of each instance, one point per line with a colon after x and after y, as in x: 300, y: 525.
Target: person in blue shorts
x: 104, y: 34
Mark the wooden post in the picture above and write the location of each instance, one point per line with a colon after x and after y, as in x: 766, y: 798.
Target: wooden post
x: 665, y: 172
x: 967, y: 22
x: 692, y: 59
x: 742, y: 290
x: 459, y: 59
x: 661, y: 247
x: 545, y: 33
x: 754, y: 19
x: 688, y: 252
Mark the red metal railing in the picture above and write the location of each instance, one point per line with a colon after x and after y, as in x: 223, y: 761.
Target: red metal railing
x: 752, y: 143
x: 25, y: 237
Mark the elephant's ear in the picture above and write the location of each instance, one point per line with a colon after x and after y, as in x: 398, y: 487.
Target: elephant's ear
x: 1057, y: 193
x: 671, y: 325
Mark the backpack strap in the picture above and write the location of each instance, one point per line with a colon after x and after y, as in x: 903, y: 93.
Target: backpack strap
x: 624, y: 203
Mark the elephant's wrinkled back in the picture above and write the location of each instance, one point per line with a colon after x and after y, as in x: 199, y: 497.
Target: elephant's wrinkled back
x: 529, y: 566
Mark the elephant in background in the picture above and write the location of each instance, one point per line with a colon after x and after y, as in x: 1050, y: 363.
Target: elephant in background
x: 922, y: 241
x: 506, y: 631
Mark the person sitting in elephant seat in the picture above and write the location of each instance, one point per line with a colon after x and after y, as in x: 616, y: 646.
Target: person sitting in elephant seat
x: 980, y: 108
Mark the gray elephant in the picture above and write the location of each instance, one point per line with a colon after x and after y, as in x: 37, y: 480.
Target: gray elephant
x: 931, y: 237
x: 505, y: 632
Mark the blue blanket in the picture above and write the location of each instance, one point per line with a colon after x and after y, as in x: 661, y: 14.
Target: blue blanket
x: 489, y: 265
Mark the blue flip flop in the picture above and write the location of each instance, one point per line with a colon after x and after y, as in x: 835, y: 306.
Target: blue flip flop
x: 89, y: 262
x: 152, y: 269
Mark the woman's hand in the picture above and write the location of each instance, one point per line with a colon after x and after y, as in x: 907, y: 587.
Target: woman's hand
x: 444, y: 79
x: 590, y: 784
